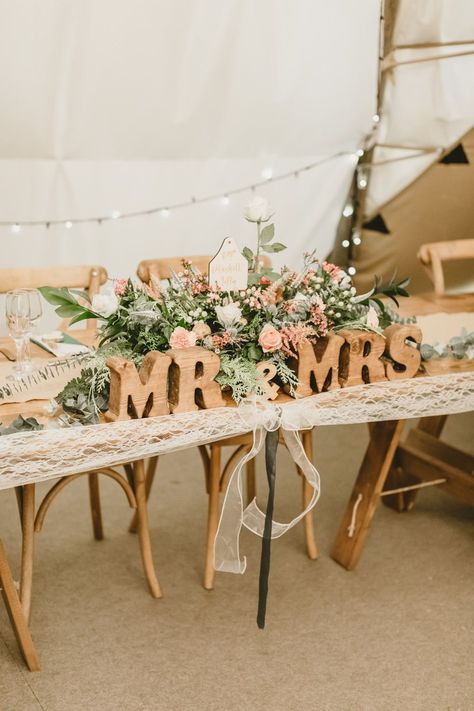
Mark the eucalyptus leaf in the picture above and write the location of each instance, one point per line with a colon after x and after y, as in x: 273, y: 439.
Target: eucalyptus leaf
x: 267, y: 234
x: 276, y: 247
x: 21, y: 424
x: 248, y: 254
x: 427, y: 351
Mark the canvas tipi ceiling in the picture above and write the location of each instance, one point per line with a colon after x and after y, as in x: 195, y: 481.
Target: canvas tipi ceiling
x: 420, y: 171
x: 113, y: 107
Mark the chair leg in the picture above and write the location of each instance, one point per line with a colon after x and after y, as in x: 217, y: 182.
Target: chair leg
x: 143, y: 528
x: 27, y: 548
x: 311, y: 547
x: 149, y: 478
x: 16, y: 614
x: 251, y: 482
x: 96, y: 512
x: 212, y: 515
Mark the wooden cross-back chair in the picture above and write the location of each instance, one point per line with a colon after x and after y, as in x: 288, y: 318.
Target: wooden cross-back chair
x: 15, y: 613
x: 434, y: 254
x: 216, y: 476
x: 90, y: 279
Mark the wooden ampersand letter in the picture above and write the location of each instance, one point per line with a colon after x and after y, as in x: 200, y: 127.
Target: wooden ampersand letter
x: 268, y: 371
x: 318, y: 364
x: 406, y: 358
x: 141, y: 393
x: 192, y: 376
x: 360, y: 358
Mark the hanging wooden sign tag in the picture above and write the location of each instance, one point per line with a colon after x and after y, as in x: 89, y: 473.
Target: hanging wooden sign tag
x: 229, y: 268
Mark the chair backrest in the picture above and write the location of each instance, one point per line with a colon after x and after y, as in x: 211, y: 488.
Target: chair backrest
x: 433, y: 254
x: 164, y: 268
x: 88, y: 278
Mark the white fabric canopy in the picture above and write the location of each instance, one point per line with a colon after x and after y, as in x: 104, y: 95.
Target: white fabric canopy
x: 118, y: 105
x: 426, y: 104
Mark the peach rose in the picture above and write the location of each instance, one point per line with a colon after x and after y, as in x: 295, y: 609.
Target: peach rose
x: 201, y: 330
x: 269, y: 339
x: 180, y: 338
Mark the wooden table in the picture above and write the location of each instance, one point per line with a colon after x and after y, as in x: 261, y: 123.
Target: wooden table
x: 382, y: 475
x: 385, y: 437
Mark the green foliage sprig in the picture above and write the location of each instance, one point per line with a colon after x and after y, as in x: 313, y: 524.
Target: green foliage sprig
x: 67, y: 306
x: 21, y: 424
x: 458, y: 347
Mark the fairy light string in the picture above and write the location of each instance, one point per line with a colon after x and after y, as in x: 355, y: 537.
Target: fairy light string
x: 223, y: 198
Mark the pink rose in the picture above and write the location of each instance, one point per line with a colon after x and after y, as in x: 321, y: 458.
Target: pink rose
x: 269, y: 339
x: 180, y: 338
x: 120, y: 287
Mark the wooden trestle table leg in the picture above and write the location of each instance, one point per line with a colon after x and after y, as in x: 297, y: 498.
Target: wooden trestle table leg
x: 143, y: 528
x: 16, y: 613
x: 384, y: 439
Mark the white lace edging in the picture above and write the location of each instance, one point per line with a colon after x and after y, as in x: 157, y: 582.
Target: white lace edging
x: 37, y: 456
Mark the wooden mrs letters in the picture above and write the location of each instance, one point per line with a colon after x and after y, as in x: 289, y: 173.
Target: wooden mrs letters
x: 183, y: 380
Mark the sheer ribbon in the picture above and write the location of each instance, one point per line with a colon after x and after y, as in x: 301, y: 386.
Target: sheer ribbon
x: 261, y: 417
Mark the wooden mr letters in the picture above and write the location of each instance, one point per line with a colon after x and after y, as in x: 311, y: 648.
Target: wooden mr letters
x: 183, y: 380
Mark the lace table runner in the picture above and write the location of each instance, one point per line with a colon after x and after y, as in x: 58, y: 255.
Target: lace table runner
x: 47, y: 454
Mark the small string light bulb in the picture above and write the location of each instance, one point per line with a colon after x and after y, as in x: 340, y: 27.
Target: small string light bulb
x: 68, y: 224
x: 375, y: 118
x: 351, y: 270
x: 348, y: 210
x: 362, y: 177
x: 165, y: 212
x: 267, y: 173
x: 115, y: 214
x: 359, y: 152
x: 225, y: 200
x: 15, y: 228
x: 356, y: 238
x: 345, y: 243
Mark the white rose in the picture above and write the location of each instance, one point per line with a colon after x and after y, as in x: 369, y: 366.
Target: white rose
x: 258, y: 210
x: 228, y: 315
x: 105, y: 304
x: 372, y: 319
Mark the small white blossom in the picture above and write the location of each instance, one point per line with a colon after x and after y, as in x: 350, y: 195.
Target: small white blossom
x: 228, y: 315
x: 105, y: 304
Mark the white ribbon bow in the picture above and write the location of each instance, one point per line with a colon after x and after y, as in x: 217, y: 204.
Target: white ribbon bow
x: 260, y: 416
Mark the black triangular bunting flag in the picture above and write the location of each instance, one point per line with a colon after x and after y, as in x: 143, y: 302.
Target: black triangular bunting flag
x: 376, y: 224
x: 457, y: 155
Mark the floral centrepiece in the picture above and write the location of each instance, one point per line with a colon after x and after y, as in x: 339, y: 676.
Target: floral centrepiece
x: 269, y: 320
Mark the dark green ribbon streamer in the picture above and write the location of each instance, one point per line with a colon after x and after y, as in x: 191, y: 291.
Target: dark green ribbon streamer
x: 271, y: 446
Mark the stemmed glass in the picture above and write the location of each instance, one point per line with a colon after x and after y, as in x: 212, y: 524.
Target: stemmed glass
x: 22, y: 309
x: 17, y: 311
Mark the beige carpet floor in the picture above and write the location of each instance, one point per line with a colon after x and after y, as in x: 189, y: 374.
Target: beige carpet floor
x: 395, y: 634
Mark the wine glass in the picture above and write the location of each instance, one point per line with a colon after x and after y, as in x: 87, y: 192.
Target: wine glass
x: 17, y: 311
x: 36, y: 311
